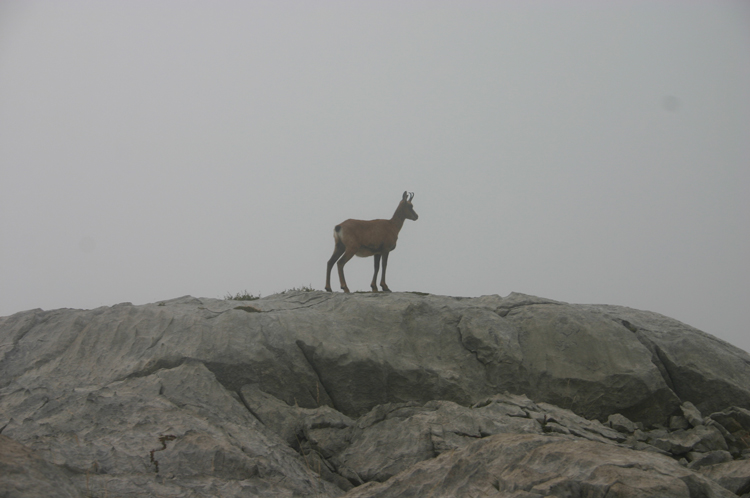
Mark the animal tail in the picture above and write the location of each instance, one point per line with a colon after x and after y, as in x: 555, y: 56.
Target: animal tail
x: 337, y: 233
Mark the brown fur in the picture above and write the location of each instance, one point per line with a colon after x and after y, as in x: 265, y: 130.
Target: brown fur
x: 369, y: 238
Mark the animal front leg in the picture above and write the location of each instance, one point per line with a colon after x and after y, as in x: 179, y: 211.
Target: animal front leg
x: 382, y: 280
x: 373, y: 285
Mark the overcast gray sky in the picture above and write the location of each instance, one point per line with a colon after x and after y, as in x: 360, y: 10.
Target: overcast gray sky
x: 589, y: 152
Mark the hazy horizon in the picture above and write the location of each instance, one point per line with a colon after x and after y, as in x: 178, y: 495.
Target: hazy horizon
x: 580, y: 151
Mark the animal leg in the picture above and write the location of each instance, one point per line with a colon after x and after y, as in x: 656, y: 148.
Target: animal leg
x: 382, y: 280
x: 373, y: 285
x: 338, y: 250
x: 344, y: 259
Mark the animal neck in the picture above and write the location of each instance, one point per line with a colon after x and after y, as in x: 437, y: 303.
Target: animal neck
x: 398, y: 217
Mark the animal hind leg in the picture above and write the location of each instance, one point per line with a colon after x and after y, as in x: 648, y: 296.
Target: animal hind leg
x: 338, y: 250
x: 341, y: 262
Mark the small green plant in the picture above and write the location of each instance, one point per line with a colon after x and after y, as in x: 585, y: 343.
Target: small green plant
x: 241, y: 296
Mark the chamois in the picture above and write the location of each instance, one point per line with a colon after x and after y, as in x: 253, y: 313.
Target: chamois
x: 369, y: 238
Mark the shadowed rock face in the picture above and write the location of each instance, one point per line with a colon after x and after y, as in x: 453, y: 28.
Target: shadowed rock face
x: 311, y: 393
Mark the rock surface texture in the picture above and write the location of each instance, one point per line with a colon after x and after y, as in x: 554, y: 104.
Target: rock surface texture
x: 369, y: 395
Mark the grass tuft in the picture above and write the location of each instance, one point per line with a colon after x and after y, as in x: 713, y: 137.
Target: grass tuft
x: 304, y: 288
x: 241, y: 296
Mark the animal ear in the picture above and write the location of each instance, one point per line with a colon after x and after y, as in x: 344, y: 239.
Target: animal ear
x: 403, y: 197
x: 411, y: 196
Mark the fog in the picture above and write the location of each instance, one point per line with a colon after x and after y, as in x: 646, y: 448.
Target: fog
x: 587, y: 152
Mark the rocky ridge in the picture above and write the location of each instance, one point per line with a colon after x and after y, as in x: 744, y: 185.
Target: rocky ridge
x: 316, y: 394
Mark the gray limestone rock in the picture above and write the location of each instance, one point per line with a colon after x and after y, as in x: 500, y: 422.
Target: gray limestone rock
x: 317, y: 394
x: 525, y: 465
x: 734, y: 423
x: 25, y: 473
x: 621, y: 423
x: 697, y: 367
x: 677, y: 422
x: 691, y: 414
x: 353, y: 352
x: 734, y: 476
x: 701, y: 439
x: 579, y: 358
x: 698, y: 460
x: 177, y: 431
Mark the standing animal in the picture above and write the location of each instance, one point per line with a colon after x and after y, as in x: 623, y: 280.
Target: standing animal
x: 369, y: 238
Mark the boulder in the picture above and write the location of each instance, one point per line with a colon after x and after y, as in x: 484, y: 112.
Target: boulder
x: 691, y: 414
x: 579, y: 358
x: 621, y: 423
x: 318, y: 394
x: 734, y: 476
x: 532, y: 465
x: 353, y: 352
x: 175, y: 432
x: 677, y: 422
x: 393, y: 437
x: 734, y: 423
x: 701, y: 439
x: 698, y: 367
x: 698, y: 459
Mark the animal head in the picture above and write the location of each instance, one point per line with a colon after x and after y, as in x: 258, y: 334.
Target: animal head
x: 408, y: 207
